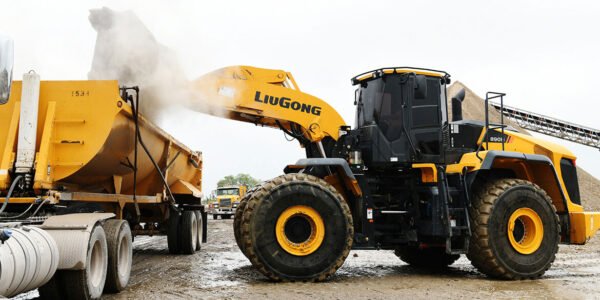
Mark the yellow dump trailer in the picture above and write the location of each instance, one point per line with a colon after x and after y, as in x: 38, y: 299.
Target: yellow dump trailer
x: 72, y: 179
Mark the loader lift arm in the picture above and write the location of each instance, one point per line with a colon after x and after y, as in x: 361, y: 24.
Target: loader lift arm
x: 269, y: 98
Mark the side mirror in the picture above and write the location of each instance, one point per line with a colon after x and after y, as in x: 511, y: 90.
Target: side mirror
x: 420, y: 87
x: 6, y: 66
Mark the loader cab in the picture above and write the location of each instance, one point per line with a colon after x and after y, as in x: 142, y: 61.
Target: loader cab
x: 402, y: 116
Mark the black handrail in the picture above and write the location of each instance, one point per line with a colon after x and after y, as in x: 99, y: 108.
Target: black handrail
x: 489, y: 96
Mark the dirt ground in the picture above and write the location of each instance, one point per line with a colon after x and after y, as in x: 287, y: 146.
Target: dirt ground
x: 220, y: 271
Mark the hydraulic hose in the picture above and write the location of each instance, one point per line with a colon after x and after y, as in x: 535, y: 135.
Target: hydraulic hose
x: 27, y: 210
x: 135, y: 108
x: 10, y: 191
x: 22, y: 214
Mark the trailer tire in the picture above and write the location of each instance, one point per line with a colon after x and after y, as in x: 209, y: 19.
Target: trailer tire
x: 188, y: 232
x: 432, y: 258
x: 88, y: 283
x: 120, y: 255
x: 173, y: 234
x: 51, y: 290
x: 515, y: 228
x: 284, y: 234
x: 200, y: 229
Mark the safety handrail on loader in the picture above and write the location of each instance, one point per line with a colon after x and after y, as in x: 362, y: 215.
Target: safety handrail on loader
x: 488, y: 97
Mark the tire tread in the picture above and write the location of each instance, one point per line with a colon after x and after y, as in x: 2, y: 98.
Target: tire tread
x: 112, y: 229
x: 480, y: 253
x: 264, y: 191
x: 186, y: 236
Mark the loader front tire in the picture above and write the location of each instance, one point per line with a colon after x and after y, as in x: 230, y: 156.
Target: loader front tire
x: 431, y: 258
x: 297, y: 227
x: 237, y: 219
x: 515, y: 230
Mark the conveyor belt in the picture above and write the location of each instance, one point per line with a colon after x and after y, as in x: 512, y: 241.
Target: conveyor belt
x: 551, y: 126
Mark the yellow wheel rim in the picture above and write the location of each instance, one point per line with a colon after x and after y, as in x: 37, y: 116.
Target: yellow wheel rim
x: 300, y: 230
x: 525, y: 230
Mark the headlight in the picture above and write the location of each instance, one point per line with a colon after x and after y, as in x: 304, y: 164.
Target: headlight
x: 235, y: 205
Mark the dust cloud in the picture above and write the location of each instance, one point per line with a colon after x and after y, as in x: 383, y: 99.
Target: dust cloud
x: 127, y: 51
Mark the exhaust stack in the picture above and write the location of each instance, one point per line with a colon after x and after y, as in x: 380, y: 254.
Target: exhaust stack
x: 457, y: 105
x: 30, y: 97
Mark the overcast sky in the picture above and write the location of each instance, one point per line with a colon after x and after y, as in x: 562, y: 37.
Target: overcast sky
x: 543, y: 54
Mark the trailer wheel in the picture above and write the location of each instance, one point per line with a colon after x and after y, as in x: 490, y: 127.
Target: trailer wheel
x: 120, y: 252
x: 297, y: 227
x: 88, y: 283
x: 426, y: 258
x: 516, y: 230
x: 173, y: 234
x: 189, y: 232
x: 199, y: 231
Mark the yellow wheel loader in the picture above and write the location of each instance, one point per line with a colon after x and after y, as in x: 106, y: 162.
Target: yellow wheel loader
x: 405, y: 178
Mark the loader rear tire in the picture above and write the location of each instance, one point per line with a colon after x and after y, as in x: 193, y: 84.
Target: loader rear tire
x: 120, y: 255
x: 515, y: 230
x: 297, y: 227
x: 432, y: 258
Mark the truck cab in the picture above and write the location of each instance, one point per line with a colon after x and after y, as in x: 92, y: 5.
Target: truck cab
x: 228, y: 199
